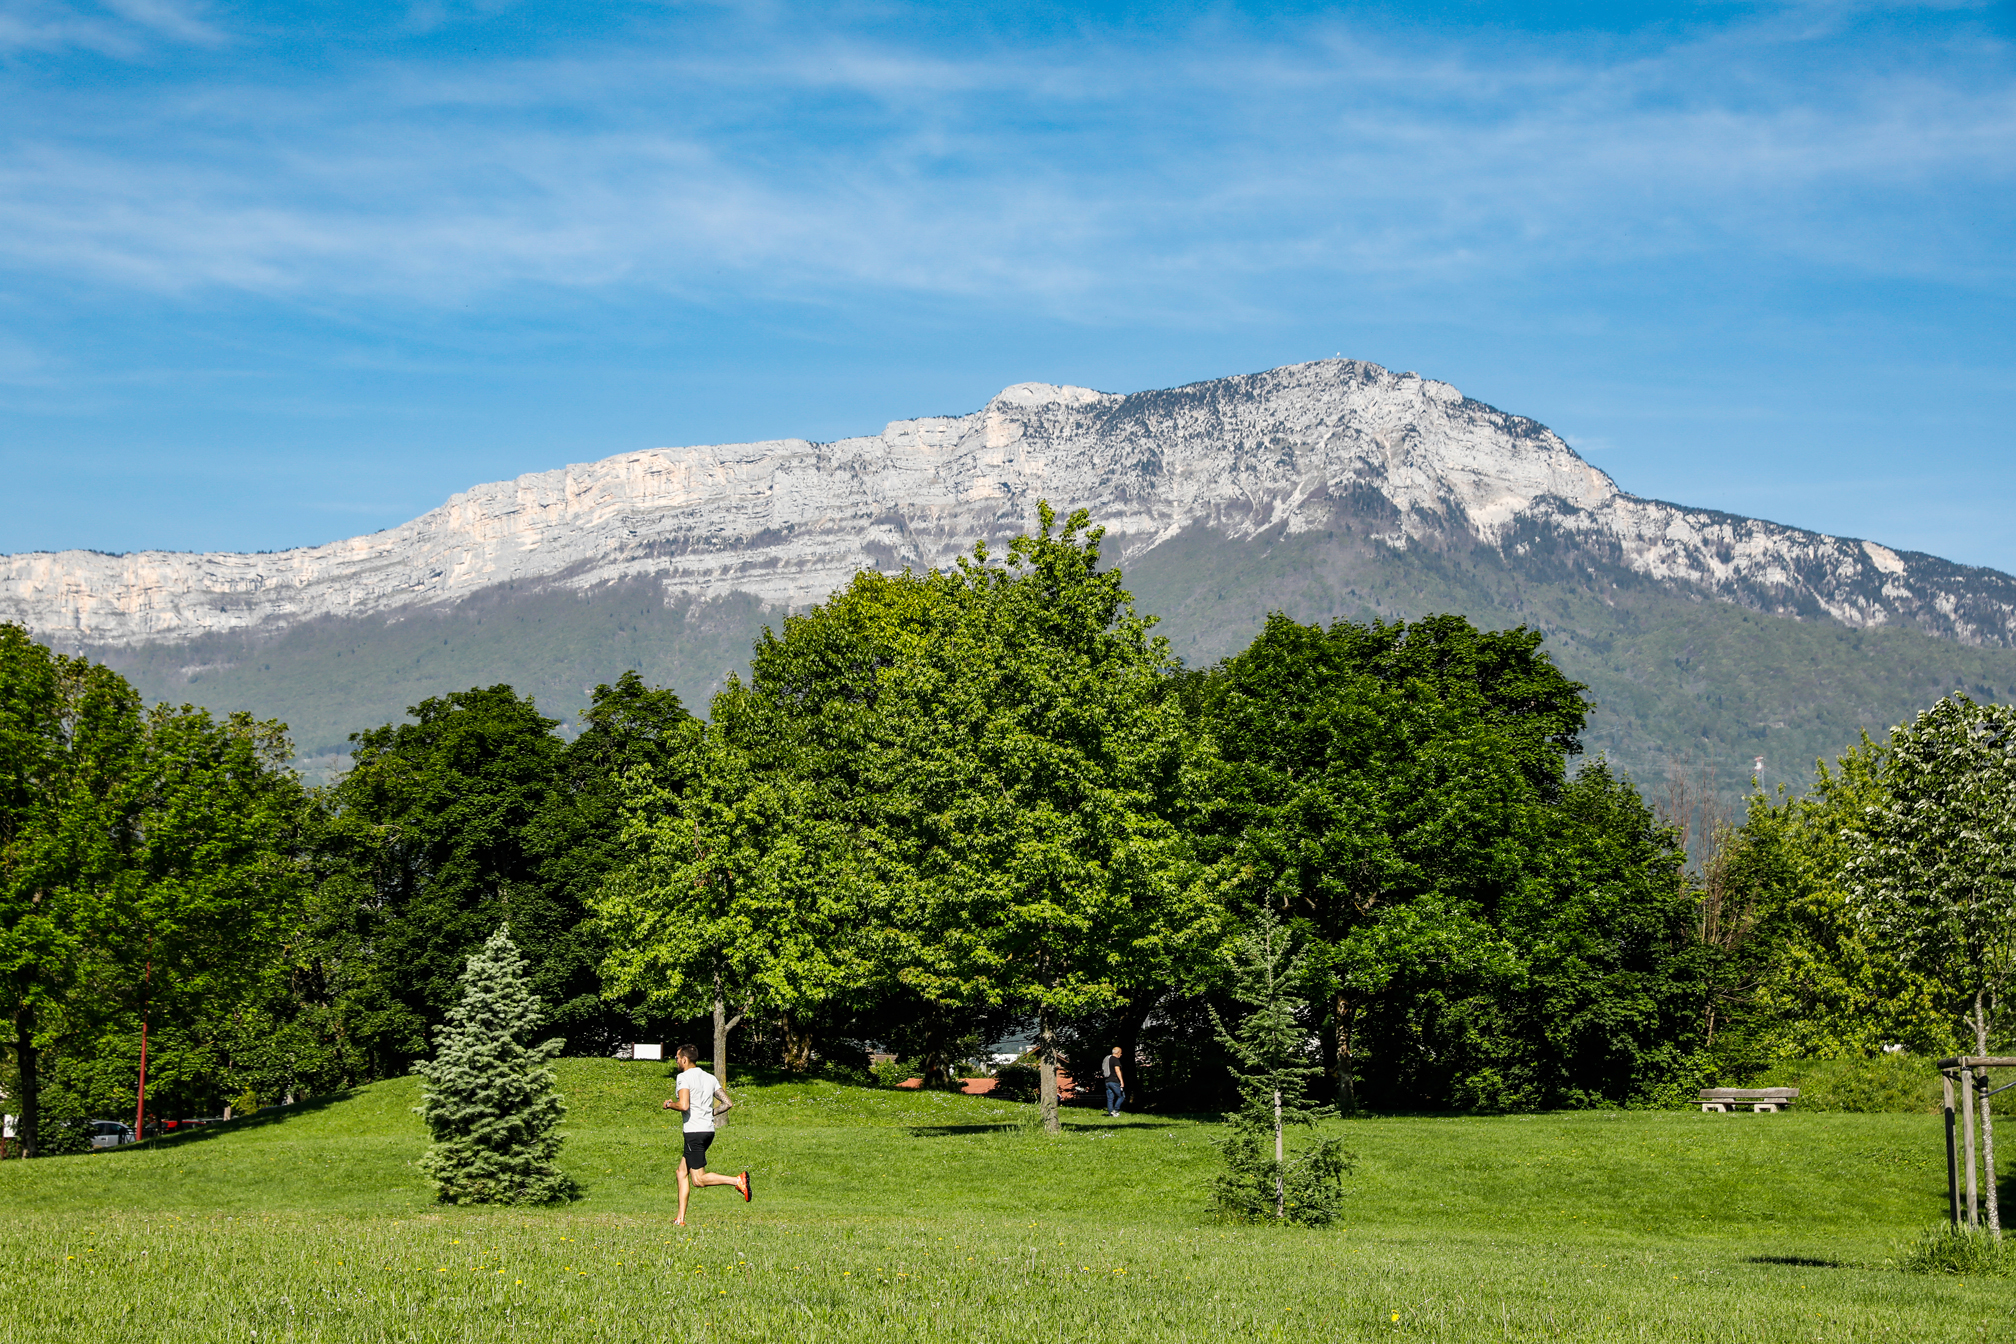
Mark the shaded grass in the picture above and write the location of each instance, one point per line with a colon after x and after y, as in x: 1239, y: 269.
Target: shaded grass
x: 920, y: 1217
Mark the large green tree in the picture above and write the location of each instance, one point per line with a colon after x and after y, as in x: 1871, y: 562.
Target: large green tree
x: 1934, y: 867
x: 1034, y: 773
x: 150, y: 860
x: 210, y: 872
x: 1497, y: 933
x: 67, y: 732
x: 743, y: 894
x: 435, y: 821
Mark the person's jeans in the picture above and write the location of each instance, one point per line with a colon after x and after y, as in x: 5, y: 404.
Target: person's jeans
x: 1115, y: 1094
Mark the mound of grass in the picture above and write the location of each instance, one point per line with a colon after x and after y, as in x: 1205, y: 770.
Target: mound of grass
x: 908, y: 1216
x: 1900, y: 1083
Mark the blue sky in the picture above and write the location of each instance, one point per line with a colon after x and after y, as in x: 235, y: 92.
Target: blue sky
x: 274, y: 275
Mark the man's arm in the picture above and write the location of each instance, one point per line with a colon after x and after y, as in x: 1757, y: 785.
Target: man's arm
x: 727, y: 1102
x: 682, y: 1102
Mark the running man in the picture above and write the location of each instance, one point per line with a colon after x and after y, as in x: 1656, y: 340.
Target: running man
x: 697, y: 1091
x: 1116, y: 1082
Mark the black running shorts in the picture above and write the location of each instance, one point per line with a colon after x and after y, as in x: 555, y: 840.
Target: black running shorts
x: 696, y: 1147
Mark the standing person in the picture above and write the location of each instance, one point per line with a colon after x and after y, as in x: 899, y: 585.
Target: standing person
x: 1116, y: 1082
x: 697, y: 1091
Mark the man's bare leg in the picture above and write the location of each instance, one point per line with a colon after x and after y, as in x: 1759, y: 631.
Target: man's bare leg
x: 704, y: 1177
x: 685, y: 1189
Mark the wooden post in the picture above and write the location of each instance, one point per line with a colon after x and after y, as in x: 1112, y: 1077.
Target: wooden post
x: 1967, y: 1131
x: 1952, y: 1157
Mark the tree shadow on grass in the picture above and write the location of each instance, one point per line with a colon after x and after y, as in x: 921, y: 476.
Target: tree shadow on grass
x: 1010, y: 1127
x: 1794, y: 1261
x: 259, y: 1119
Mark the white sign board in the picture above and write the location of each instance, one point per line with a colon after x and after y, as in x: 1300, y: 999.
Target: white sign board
x: 647, y: 1052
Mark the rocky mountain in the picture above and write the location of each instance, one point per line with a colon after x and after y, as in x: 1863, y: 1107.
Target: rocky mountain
x: 1359, y: 490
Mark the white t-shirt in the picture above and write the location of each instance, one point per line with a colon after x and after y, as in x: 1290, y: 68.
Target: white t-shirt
x: 700, y: 1089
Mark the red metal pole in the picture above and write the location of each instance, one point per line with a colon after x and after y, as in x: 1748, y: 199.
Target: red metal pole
x: 140, y: 1100
x: 140, y: 1109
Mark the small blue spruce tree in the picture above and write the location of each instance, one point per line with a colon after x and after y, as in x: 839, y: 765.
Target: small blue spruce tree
x: 488, y: 1096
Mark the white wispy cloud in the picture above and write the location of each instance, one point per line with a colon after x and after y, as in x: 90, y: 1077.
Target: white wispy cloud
x: 791, y: 157
x: 123, y: 29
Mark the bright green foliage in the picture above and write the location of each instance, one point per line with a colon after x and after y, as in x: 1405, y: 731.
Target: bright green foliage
x: 1033, y: 773
x: 960, y: 789
x: 488, y: 1098
x: 1896, y: 1082
x: 1934, y: 871
x: 1800, y: 976
x: 44, y: 916
x: 1265, y: 1178
x: 746, y: 882
x: 742, y: 890
x: 210, y: 871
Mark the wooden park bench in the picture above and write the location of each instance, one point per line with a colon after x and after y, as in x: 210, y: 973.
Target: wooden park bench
x: 1758, y: 1099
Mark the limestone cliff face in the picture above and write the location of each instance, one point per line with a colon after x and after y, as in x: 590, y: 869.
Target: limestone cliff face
x: 1298, y: 448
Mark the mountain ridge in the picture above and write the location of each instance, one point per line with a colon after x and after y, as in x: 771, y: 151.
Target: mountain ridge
x: 788, y: 520
x: 1334, y: 490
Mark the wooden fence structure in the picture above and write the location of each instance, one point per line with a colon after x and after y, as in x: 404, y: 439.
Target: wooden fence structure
x: 1969, y: 1075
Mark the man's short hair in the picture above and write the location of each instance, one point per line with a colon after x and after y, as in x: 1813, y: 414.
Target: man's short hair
x: 689, y: 1053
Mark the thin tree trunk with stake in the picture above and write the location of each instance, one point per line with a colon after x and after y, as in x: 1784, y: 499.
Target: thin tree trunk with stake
x: 1280, y: 1178
x: 1987, y: 1118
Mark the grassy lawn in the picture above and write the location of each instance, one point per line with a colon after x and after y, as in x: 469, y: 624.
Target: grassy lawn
x: 899, y: 1216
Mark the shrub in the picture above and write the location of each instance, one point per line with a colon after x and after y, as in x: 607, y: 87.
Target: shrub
x: 1017, y: 1082
x: 1305, y: 1187
x: 1946, y: 1249
x: 62, y: 1137
x: 893, y: 1072
x: 848, y: 1075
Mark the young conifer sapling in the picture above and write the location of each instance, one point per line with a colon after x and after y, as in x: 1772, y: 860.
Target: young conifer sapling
x: 1264, y: 1179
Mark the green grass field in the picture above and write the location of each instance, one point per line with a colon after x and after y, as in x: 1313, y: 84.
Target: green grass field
x: 899, y: 1216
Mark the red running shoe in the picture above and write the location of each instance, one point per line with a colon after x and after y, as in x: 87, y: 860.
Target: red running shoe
x: 745, y: 1187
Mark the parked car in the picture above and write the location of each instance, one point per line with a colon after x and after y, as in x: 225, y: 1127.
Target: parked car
x: 110, y: 1133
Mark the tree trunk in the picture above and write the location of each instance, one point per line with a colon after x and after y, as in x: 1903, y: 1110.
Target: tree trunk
x: 31, y: 1082
x: 1987, y: 1124
x: 1139, y: 1010
x: 797, y: 1044
x: 1343, y: 1017
x: 1046, y: 1066
x: 1280, y: 1176
x: 723, y: 1024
